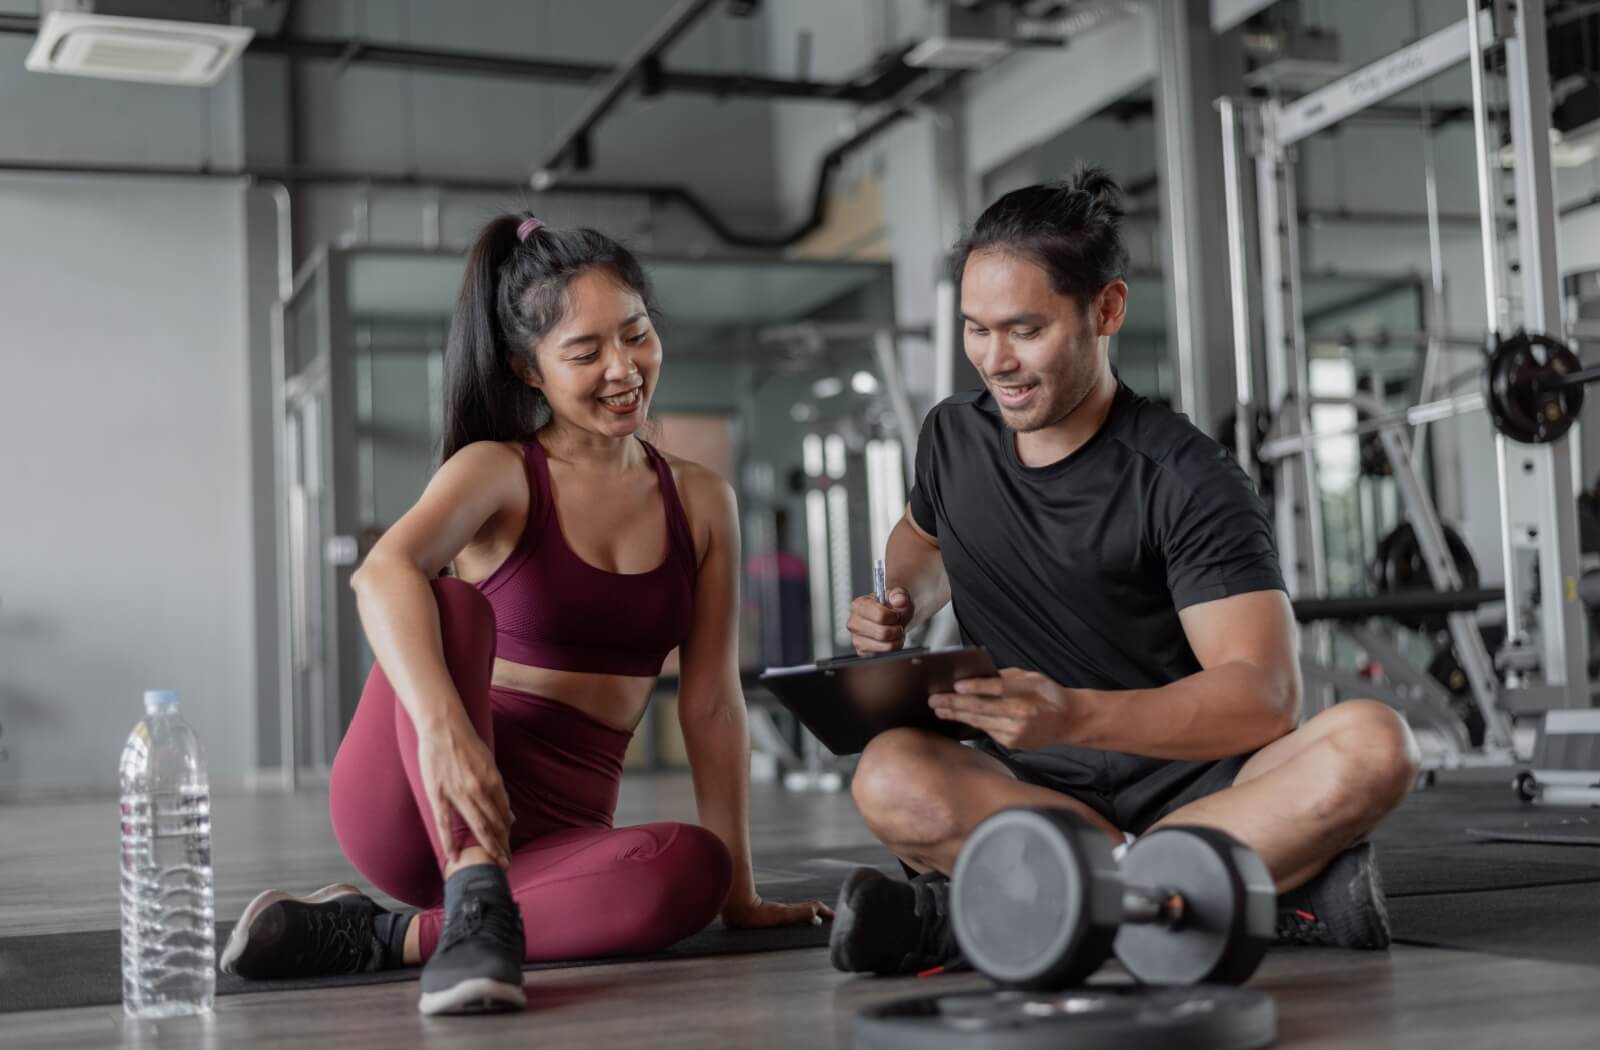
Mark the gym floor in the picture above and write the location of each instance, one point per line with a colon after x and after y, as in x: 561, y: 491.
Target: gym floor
x: 60, y: 872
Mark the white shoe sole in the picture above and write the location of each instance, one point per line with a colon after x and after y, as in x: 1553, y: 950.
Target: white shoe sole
x: 475, y: 995
x: 240, y: 938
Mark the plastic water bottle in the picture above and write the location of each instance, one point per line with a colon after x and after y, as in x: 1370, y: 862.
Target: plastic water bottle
x: 168, y: 940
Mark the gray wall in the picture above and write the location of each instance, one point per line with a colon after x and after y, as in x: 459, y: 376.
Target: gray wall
x: 388, y: 119
x: 124, y: 421
x: 126, y: 417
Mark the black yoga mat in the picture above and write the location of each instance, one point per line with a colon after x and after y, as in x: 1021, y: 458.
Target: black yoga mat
x: 1553, y: 923
x: 1545, y: 830
x: 51, y: 971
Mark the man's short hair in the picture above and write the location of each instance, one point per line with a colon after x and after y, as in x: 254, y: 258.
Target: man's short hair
x: 1071, y: 228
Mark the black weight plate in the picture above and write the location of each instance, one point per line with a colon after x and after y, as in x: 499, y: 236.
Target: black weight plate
x: 1518, y: 367
x: 1230, y: 908
x: 1448, y: 672
x: 1097, y: 1018
x: 1035, y: 898
x: 1400, y: 566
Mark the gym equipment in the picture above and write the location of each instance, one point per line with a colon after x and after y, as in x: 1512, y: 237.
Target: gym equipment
x: 1399, y: 565
x: 1447, y: 670
x: 1534, y: 387
x: 1099, y: 1018
x: 1039, y: 902
x: 1566, y: 761
x: 1373, y: 459
x: 1544, y: 659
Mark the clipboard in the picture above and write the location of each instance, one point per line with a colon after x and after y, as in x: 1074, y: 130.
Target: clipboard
x: 847, y: 701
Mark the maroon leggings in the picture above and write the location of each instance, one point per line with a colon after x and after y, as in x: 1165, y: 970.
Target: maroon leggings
x: 585, y: 888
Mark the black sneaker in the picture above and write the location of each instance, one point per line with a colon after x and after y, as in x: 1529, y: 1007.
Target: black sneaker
x: 1343, y: 907
x: 326, y: 932
x: 477, y: 967
x: 885, y: 926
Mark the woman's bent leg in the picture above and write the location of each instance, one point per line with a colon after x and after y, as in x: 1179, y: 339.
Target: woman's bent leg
x: 589, y: 892
x: 380, y: 812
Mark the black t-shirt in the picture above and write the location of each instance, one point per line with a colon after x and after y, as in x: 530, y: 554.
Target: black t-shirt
x: 1077, y: 569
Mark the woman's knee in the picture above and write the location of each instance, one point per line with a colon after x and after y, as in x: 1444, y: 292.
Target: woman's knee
x: 467, y: 632
x: 463, y: 608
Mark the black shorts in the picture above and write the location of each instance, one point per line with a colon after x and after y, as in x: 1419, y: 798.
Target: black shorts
x: 1131, y: 807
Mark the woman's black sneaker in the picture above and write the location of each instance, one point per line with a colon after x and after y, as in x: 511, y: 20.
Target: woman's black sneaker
x: 885, y: 926
x: 327, y: 932
x: 1343, y: 907
x: 477, y: 967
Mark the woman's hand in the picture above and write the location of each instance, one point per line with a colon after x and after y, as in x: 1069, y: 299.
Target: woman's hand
x: 459, y: 776
x: 756, y: 913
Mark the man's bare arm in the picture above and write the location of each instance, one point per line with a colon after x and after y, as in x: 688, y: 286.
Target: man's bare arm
x: 1246, y: 695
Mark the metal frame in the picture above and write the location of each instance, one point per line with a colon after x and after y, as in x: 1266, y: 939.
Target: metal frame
x: 1266, y: 131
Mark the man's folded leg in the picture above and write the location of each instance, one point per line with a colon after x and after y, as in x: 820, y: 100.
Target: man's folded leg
x: 922, y: 794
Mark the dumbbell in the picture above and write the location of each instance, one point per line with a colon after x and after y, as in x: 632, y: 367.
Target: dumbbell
x: 1039, y: 902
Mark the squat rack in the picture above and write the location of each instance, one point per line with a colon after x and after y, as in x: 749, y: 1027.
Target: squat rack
x: 1545, y: 655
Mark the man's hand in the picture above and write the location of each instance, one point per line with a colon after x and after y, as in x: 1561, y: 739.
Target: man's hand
x: 876, y: 628
x: 1020, y: 709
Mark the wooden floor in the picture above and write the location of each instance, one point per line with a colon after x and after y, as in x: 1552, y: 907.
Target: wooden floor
x: 58, y: 873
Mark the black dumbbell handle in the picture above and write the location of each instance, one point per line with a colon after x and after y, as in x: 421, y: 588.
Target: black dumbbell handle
x: 1152, y: 905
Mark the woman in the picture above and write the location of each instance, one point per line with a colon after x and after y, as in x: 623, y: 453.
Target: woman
x: 479, y: 775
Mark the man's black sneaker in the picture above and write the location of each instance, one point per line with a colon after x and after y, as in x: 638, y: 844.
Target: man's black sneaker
x: 477, y: 967
x: 326, y: 932
x: 1343, y: 907
x: 885, y: 926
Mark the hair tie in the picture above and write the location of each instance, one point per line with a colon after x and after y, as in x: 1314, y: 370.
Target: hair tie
x: 528, y: 226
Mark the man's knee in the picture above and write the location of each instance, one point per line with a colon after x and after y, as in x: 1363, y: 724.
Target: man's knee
x: 902, y: 785
x: 1376, y: 755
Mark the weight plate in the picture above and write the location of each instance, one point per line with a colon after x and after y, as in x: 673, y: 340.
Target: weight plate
x: 1035, y: 898
x: 1229, y: 915
x: 1399, y: 565
x: 1115, y: 1017
x: 1448, y: 672
x: 1521, y: 409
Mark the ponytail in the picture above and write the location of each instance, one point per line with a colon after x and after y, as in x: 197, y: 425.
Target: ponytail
x: 513, y: 293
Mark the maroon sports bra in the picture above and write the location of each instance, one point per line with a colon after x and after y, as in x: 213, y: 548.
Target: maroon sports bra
x: 553, y: 609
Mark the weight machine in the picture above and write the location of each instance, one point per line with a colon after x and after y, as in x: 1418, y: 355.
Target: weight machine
x: 1533, y: 392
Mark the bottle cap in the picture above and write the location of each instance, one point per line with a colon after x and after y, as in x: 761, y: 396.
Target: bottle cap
x: 155, y: 699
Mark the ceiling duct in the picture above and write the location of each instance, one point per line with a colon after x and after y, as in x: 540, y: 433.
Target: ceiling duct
x: 184, y: 42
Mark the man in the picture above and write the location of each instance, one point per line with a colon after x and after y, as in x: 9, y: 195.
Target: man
x: 1117, y: 564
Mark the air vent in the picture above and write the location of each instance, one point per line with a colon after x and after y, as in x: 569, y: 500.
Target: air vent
x: 141, y: 49
x: 956, y: 53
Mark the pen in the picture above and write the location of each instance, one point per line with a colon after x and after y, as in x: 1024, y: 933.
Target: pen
x: 880, y: 582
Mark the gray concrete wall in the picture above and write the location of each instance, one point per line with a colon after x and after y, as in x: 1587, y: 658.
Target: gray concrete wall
x: 125, y: 420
